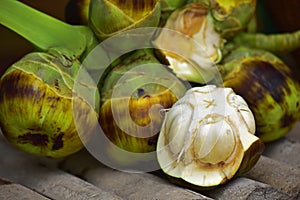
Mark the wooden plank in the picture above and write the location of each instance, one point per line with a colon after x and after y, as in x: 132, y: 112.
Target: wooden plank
x: 277, y: 174
x: 286, y: 149
x: 294, y: 134
x: 17, y: 192
x: 49, y: 181
x: 127, y: 185
x: 244, y: 188
x: 13, y: 191
x: 238, y: 188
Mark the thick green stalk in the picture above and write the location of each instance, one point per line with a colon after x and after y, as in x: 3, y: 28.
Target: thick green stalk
x: 45, y: 32
x: 276, y: 43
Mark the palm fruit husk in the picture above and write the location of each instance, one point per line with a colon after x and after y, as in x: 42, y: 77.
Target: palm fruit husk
x: 207, y: 138
x: 204, y: 27
x: 192, y: 46
x: 270, y: 88
x: 230, y: 16
x: 110, y: 17
x: 40, y: 112
x: 133, y: 94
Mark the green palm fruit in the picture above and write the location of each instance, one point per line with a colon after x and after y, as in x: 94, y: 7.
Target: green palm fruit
x: 203, y: 27
x: 270, y: 88
x: 230, y: 16
x: 207, y: 138
x: 77, y: 12
x: 40, y: 112
x: 110, y: 17
x: 132, y: 95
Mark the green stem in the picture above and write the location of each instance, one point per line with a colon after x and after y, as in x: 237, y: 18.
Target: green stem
x: 276, y: 43
x: 45, y: 32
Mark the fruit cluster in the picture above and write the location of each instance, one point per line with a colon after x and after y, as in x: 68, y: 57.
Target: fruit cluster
x: 194, y: 81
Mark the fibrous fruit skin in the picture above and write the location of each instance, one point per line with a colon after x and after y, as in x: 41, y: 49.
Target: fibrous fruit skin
x: 139, y: 109
x: 230, y: 16
x: 40, y: 112
x: 110, y: 17
x: 132, y: 96
x: 207, y: 138
x: 269, y: 87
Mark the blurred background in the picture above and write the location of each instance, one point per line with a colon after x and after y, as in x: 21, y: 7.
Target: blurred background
x: 274, y: 16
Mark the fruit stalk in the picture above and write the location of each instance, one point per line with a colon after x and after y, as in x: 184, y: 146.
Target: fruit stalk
x: 276, y: 43
x: 45, y: 32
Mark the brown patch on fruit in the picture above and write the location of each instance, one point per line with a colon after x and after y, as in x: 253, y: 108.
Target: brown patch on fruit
x: 256, y: 80
x: 36, y: 139
x: 58, y: 142
x: 286, y: 120
x: 20, y: 84
x: 56, y: 85
x: 270, y: 78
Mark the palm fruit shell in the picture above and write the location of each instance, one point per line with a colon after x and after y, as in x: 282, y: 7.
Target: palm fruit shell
x: 131, y: 118
x: 40, y: 112
x: 110, y: 17
x: 190, y: 43
x: 270, y: 88
x: 230, y: 16
x: 207, y: 138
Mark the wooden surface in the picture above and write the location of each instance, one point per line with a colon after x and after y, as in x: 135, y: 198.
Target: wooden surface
x: 275, y: 176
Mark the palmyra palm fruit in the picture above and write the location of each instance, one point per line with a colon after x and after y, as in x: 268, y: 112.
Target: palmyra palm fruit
x: 230, y: 16
x: 110, y: 17
x: 207, y: 138
x: 194, y: 46
x: 132, y: 96
x: 205, y: 26
x: 40, y: 113
x: 269, y: 86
